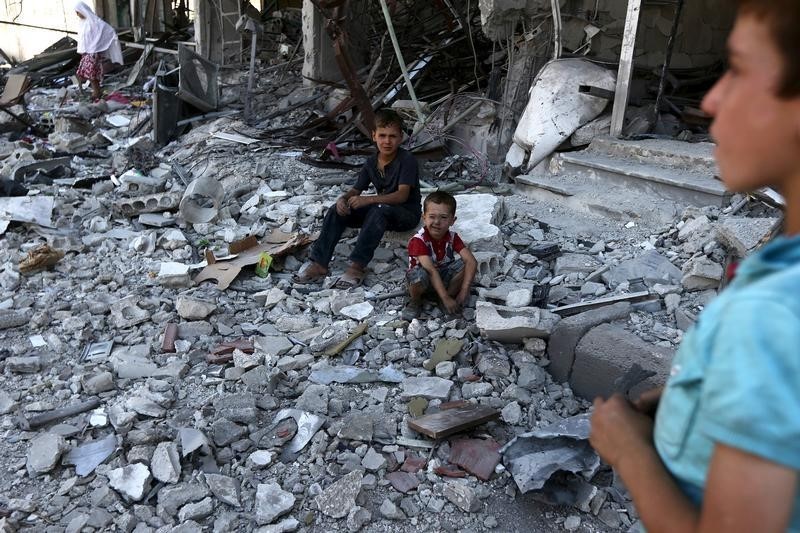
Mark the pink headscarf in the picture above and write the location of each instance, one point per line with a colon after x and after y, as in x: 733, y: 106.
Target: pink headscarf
x: 95, y: 35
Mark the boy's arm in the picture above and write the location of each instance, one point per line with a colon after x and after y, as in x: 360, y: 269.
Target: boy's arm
x: 343, y: 202
x: 427, y: 263
x: 398, y: 197
x: 470, y: 269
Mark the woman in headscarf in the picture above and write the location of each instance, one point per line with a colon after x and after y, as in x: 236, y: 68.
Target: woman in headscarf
x: 96, y: 39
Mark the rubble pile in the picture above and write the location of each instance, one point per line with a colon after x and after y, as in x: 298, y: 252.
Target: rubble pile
x: 161, y: 372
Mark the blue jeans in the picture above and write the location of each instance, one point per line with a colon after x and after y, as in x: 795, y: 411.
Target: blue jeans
x: 373, y: 220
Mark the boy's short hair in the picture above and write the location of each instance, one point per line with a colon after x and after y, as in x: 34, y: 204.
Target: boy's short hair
x: 440, y: 197
x: 782, y: 17
x: 385, y: 118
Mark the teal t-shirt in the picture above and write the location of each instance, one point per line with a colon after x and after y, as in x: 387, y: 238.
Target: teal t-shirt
x: 736, y: 377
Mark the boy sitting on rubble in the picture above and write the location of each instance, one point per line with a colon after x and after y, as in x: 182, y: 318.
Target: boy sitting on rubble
x: 394, y: 173
x: 438, y: 259
x: 724, y: 453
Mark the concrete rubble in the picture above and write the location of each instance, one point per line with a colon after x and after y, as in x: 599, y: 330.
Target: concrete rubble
x: 262, y: 406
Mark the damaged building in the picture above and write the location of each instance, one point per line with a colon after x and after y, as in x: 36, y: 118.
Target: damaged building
x: 160, y: 371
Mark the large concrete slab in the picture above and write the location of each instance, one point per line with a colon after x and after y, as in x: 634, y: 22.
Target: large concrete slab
x: 513, y: 324
x: 606, y: 353
x: 568, y: 332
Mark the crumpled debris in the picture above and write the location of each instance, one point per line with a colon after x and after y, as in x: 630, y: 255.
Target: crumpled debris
x: 535, y: 456
x: 40, y: 258
x: 307, y: 425
x: 89, y: 456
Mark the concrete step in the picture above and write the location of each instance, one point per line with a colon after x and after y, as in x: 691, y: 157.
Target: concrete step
x: 697, y: 157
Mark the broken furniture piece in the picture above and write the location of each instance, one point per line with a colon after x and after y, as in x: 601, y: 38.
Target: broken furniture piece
x: 450, y: 421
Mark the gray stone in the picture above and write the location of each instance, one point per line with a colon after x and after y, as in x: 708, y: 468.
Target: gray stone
x: 357, y: 518
x: 569, y: 331
x: 165, y: 463
x: 172, y: 498
x: 389, y: 510
x: 358, y: 311
x: 24, y: 365
x: 271, y: 502
x: 701, y: 273
x: 145, y: 407
x: 7, y: 403
x: 284, y: 526
x: 225, y: 488
x: 742, y: 234
x: 512, y: 325
x: 462, y: 496
x: 237, y: 407
x: 695, y: 228
x: 531, y: 377
x: 246, y: 361
x: 373, y: 461
x: 314, y: 399
x: 357, y: 426
x: 671, y: 302
x: 224, y: 432
x: 131, y: 481
x: 196, y: 511
x: 273, y: 345
x: 570, y: 262
x: 445, y: 369
x: 260, y: 458
x: 511, y: 413
x: 338, y: 499
x: 193, y: 309
x: 194, y: 329
x: 651, y: 266
x: 572, y: 522
x: 44, y: 453
x: 606, y: 353
x: 426, y: 387
x: 101, y: 382
x: 476, y: 390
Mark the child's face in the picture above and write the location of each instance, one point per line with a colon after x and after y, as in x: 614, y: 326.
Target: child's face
x: 755, y: 131
x: 387, y: 139
x: 438, y: 219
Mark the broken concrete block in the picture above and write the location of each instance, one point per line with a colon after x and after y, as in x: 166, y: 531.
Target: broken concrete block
x: 271, y: 502
x: 512, y: 325
x: 569, y: 263
x: 131, y: 481
x: 165, y: 463
x: 701, y: 273
x: 740, y: 235
x: 426, y: 387
x: 172, y: 274
x: 606, y: 353
x: 569, y: 331
x: 511, y: 294
x: 651, y: 266
x: 127, y: 313
x: 225, y: 488
x: 193, y: 309
x: 151, y: 203
x: 462, y: 496
x: 695, y: 228
x: 478, y: 215
x: 44, y: 453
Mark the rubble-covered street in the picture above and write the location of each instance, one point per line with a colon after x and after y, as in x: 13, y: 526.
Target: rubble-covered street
x: 160, y: 371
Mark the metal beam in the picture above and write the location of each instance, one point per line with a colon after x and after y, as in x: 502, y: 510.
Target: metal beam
x: 625, y: 67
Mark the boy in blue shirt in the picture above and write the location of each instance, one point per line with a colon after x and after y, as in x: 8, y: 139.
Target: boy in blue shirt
x: 724, y: 452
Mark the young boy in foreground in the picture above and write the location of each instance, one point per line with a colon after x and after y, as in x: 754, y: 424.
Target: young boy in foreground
x: 724, y: 453
x: 438, y: 259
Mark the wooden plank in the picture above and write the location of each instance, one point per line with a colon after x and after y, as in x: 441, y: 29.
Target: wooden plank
x: 625, y: 67
x: 450, y: 421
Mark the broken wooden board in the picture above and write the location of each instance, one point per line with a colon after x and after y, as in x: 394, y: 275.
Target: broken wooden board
x: 451, y: 421
x: 334, y: 350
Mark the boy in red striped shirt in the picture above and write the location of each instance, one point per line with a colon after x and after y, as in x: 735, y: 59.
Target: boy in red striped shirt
x: 438, y: 259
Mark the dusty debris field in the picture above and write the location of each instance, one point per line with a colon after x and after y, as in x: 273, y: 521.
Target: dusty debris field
x: 295, y: 424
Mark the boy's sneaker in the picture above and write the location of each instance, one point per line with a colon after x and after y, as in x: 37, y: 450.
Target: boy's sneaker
x: 411, y: 310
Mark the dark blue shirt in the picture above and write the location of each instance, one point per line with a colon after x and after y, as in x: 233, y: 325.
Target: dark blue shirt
x: 403, y: 170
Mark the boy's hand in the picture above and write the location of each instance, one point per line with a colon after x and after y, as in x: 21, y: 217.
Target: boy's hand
x: 618, y: 429
x: 451, y: 305
x: 357, y: 202
x: 342, y: 207
x: 647, y: 402
x: 462, y: 296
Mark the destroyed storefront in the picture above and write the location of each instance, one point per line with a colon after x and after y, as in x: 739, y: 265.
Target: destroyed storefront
x: 159, y: 369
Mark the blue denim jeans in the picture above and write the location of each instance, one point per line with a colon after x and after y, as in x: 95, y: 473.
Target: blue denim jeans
x: 373, y: 220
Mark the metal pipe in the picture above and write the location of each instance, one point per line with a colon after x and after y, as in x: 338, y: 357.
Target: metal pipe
x: 399, y: 53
